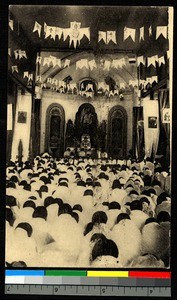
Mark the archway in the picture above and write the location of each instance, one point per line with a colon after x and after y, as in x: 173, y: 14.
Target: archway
x: 86, y: 123
x: 117, y: 132
x: 54, y: 138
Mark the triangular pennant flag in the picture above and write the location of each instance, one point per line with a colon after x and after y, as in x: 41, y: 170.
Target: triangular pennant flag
x: 46, y: 61
x: 26, y: 74
x: 58, y: 31
x: 66, y: 63
x: 149, y: 80
x: 78, y: 64
x: 161, y: 60
x: 45, y: 27
x: 37, y: 27
x: 111, y: 36
x: 154, y: 78
x: 55, y: 81
x: 142, y: 33
x: 129, y: 32
x: 66, y: 33
x: 9, y: 51
x: 49, y: 80
x: 58, y: 62
x: 50, y: 31
x: 14, y: 69
x: 92, y: 64
x: 30, y: 77
x: 86, y: 32
x: 140, y: 59
x: 107, y: 65
x: 150, y: 30
x: 152, y: 60
x: 161, y: 30
x: 43, y: 85
x: 133, y: 82
x: 102, y: 36
x: 16, y: 53
x: 39, y: 60
x: 73, y: 85
x: 168, y: 54
x: 11, y: 24
x: 22, y: 54
x: 52, y: 60
x: 89, y: 87
x: 84, y: 63
x: 122, y: 85
x: 39, y: 78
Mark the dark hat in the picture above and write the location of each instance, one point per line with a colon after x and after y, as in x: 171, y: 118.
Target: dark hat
x: 27, y: 227
x: 114, y: 205
x: 14, y: 178
x: 9, y: 216
x: 97, y: 236
x: 96, y: 183
x: 122, y: 216
x: 77, y: 207
x: 11, y: 200
x: 48, y: 201
x: 136, y: 205
x: 88, y: 193
x: 32, y: 197
x: 27, y: 187
x: 81, y: 183
x: 162, y: 197
x: 163, y: 216
x: 99, y: 217
x: 40, y: 212
x: 65, y: 208
x: 43, y: 188
x: 11, y: 184
x: 151, y: 220
x: 105, y: 203
x: 144, y: 199
x: 29, y: 203
x: 104, y: 247
x: 133, y: 192
x: 116, y: 184
x: 75, y: 216
x: 102, y: 175
x: 62, y: 179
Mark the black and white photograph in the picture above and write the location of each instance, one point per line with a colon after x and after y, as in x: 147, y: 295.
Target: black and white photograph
x: 88, y: 148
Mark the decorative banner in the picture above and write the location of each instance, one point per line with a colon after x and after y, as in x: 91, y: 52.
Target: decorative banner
x: 102, y: 36
x: 49, y: 80
x: 50, y: 32
x: 168, y: 54
x: 16, y: 53
x: 26, y: 74
x: 122, y: 85
x: 140, y: 60
x: 39, y: 60
x: 66, y: 63
x: 66, y: 32
x: 142, y: 33
x: 86, y: 32
x: 30, y: 77
x: 152, y: 60
x: 107, y: 65
x: 9, y: 116
x: 39, y: 79
x: 11, y: 24
x: 9, y: 51
x: 166, y: 115
x: 22, y: 54
x: 52, y: 60
x: 82, y: 63
x: 58, y: 62
x: 150, y: 30
x: 92, y: 64
x: 73, y: 86
x: 37, y: 27
x: 14, y: 69
x: 151, y: 126
x: 45, y: 27
x: 118, y: 63
x: 58, y: 31
x: 161, y: 30
x: 133, y: 82
x: 129, y: 32
x: 43, y: 85
x: 161, y: 60
x: 154, y: 78
x: 55, y: 81
x: 76, y: 33
x: 46, y: 61
x: 111, y: 36
x: 89, y: 87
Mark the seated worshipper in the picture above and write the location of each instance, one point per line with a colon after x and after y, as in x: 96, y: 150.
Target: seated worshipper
x: 117, y: 194
x: 128, y: 239
x: 21, y: 246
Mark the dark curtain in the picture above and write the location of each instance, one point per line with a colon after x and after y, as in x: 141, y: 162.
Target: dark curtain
x: 69, y: 134
x: 138, y: 133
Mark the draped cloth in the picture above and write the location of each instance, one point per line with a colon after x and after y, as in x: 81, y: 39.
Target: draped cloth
x: 151, y: 126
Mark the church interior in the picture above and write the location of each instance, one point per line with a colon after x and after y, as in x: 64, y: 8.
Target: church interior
x: 89, y: 106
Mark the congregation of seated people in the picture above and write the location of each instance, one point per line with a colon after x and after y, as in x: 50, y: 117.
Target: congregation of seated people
x: 87, y: 213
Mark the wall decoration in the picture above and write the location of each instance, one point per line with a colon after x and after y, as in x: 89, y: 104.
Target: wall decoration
x: 22, y: 117
x: 152, y: 122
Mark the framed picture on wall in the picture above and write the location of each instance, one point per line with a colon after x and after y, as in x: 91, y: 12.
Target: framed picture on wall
x: 152, y: 122
x: 22, y: 116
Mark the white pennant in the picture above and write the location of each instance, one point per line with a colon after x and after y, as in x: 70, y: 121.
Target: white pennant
x: 107, y: 65
x: 50, y: 31
x: 66, y: 63
x: 73, y: 85
x: 39, y: 59
x: 58, y: 31
x: 46, y: 61
x: 55, y: 81
x: 58, y: 62
x: 30, y: 77
x: 45, y: 27
x: 22, y: 54
x: 133, y: 82
x: 26, y: 74
x: 161, y: 60
x: 66, y: 33
x: 118, y: 63
x: 78, y: 64
x: 86, y: 32
x: 154, y: 78
x: 14, y: 69
x: 39, y: 78
x: 16, y: 53
x: 102, y: 36
x: 140, y: 59
x: 49, y: 80
x: 168, y: 54
x: 9, y: 51
x: 111, y: 36
x: 142, y: 33
x: 152, y: 60
x: 43, y: 85
x: 129, y: 32
x: 84, y: 63
x: 122, y: 85
x: 161, y: 30
x: 37, y: 27
x: 92, y: 64
x: 11, y: 24
x: 150, y: 30
x: 52, y: 60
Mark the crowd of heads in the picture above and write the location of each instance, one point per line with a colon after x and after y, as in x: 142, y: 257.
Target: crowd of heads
x: 87, y: 213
